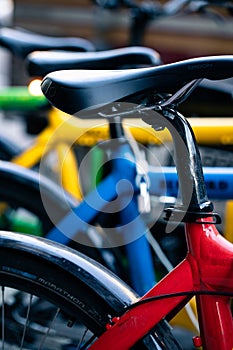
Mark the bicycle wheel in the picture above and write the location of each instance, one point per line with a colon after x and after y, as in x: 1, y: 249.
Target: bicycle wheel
x: 8, y: 149
x: 22, y: 209
x: 22, y: 188
x: 55, y: 298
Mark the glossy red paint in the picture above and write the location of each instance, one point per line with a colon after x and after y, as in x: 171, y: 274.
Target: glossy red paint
x: 197, y: 342
x: 208, y: 267
x: 214, y: 258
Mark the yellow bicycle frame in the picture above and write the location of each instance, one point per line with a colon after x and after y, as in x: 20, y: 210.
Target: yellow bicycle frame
x: 65, y: 130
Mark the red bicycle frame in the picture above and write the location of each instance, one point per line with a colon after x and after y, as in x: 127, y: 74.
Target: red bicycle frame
x: 206, y: 269
x: 206, y: 272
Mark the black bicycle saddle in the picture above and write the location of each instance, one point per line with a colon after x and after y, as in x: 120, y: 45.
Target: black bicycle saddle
x: 74, y: 90
x: 22, y: 42
x: 42, y: 63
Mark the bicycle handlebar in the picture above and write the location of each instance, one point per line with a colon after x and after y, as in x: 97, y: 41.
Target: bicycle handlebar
x: 152, y: 9
x: 156, y: 9
x: 145, y: 11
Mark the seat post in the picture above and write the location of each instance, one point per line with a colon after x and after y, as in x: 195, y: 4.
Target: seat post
x: 116, y: 128
x: 187, y: 159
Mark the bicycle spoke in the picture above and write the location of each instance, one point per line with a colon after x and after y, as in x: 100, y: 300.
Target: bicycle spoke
x: 49, y: 329
x: 26, y: 322
x: 81, y: 340
x: 3, y: 317
x: 87, y: 343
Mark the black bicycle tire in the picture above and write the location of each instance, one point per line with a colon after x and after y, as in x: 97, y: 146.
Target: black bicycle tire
x: 23, y: 268
x: 8, y: 149
x: 35, y: 263
x: 24, y: 188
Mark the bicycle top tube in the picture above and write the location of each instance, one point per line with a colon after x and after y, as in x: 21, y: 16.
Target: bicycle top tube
x: 74, y: 90
x: 42, y: 63
x: 22, y: 42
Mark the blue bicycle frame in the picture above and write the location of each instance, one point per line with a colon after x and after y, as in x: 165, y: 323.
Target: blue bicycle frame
x: 139, y: 257
x: 163, y: 182
x: 218, y: 181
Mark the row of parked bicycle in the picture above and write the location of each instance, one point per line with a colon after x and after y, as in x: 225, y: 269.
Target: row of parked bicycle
x: 115, y: 172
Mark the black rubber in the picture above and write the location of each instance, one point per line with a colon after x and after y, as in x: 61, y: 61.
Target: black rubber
x: 84, y: 292
x: 26, y: 271
x: 22, y: 188
x: 8, y: 149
